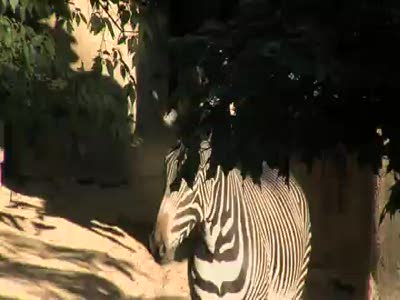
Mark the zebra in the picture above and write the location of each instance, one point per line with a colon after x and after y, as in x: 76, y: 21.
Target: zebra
x: 254, y: 240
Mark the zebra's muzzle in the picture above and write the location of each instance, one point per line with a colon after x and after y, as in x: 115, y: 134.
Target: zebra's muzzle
x: 157, y: 249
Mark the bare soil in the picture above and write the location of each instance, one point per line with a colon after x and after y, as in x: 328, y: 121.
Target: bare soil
x: 46, y: 256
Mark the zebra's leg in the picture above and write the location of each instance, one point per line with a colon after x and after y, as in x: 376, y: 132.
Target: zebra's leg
x: 191, y: 278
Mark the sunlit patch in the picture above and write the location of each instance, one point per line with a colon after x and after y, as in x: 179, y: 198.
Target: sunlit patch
x: 103, y: 291
x: 155, y: 95
x: 170, y: 118
x: 232, y: 109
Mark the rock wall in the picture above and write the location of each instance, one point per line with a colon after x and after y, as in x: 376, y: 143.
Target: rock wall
x: 385, y: 271
x: 340, y: 199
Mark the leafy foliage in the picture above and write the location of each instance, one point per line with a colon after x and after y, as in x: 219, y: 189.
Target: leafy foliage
x: 270, y: 80
x: 37, y: 86
x: 120, y: 19
x: 27, y: 50
x: 303, y: 77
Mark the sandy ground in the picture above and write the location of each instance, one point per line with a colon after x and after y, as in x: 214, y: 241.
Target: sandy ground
x: 49, y: 257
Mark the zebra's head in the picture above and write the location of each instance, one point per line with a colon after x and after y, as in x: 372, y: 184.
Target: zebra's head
x: 180, y: 211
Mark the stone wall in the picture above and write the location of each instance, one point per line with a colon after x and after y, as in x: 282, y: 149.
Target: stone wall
x: 385, y: 279
x: 340, y: 198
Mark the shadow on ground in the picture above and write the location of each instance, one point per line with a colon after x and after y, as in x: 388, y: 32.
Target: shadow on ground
x: 90, y: 206
x: 70, y: 269
x: 58, y: 276
x: 79, y: 284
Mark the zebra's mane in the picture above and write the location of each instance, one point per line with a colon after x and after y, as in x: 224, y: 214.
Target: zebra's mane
x: 190, y: 158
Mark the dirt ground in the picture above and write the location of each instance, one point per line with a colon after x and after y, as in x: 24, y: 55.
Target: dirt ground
x: 68, y: 240
x: 45, y: 256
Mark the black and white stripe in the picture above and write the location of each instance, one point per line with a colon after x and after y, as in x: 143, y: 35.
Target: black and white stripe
x: 255, y: 238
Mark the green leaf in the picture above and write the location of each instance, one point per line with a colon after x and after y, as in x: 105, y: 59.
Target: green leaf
x: 94, y: 3
x: 135, y: 19
x: 132, y: 45
x: 7, y: 39
x: 78, y: 19
x: 13, y: 4
x: 83, y: 18
x: 37, y: 40
x: 110, y: 27
x: 110, y: 67
x: 125, y: 16
x: 115, y: 55
x: 122, y: 71
x: 49, y: 46
x: 22, y: 13
x: 132, y: 93
x: 70, y: 28
x: 27, y: 57
x: 122, y: 40
x: 134, y: 61
x: 3, y: 6
x: 129, y: 91
x: 96, y: 24
x: 97, y: 65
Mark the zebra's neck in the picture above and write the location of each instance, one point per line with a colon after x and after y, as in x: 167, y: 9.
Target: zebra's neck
x: 226, y: 261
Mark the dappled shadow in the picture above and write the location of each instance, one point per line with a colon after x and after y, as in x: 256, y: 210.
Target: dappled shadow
x: 108, y: 232
x: 90, y: 207
x: 22, y: 205
x: 17, y: 214
x: 163, y: 298
x: 87, y: 259
x: 80, y: 150
x: 139, y: 230
x: 79, y: 283
x: 73, y: 160
x: 12, y: 220
x: 78, y: 162
x: 76, y: 153
x: 37, y: 258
